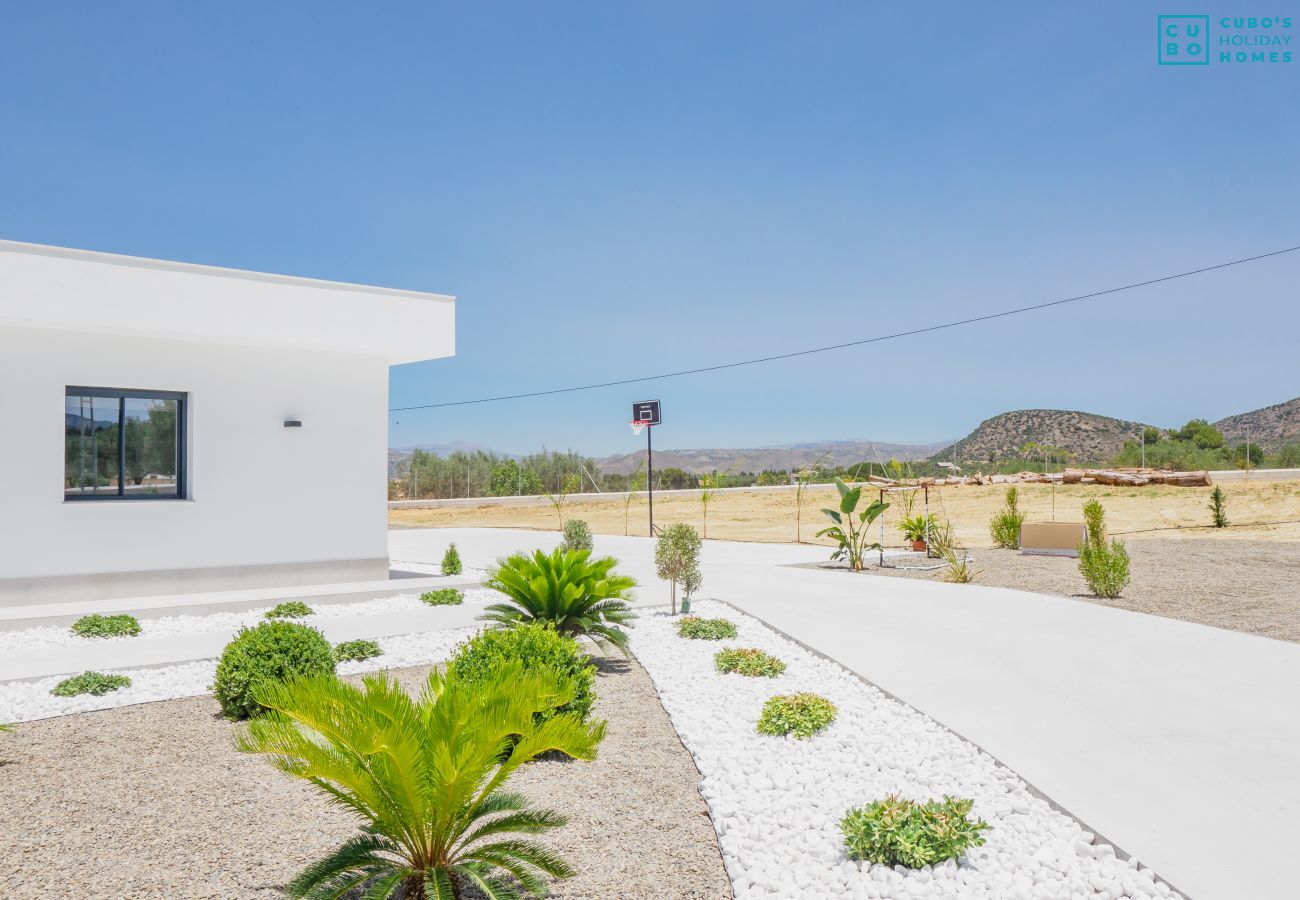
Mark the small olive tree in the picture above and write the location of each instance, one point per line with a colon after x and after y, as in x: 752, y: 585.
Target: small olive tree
x: 677, y: 558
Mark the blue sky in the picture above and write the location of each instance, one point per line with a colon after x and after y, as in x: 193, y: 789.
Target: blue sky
x: 622, y: 189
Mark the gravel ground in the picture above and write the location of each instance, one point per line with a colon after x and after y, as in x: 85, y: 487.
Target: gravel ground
x: 777, y: 801
x: 152, y: 801
x: 1249, y: 586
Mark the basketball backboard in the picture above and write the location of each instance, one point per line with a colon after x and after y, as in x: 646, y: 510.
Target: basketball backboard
x: 646, y: 411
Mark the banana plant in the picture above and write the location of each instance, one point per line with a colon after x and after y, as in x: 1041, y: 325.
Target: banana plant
x: 850, y: 528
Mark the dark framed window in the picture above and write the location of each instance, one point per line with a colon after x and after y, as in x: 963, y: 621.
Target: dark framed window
x: 123, y: 445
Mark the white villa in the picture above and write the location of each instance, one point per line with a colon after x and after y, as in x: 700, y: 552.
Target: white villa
x: 176, y: 428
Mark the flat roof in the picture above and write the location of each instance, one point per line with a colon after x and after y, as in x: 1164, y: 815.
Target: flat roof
x: 87, y: 291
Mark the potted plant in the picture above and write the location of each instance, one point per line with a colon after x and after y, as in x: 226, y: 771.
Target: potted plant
x: 915, y: 529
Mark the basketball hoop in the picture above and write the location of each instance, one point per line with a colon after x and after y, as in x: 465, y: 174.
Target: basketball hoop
x: 638, y: 425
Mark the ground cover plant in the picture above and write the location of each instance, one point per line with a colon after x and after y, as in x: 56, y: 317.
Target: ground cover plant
x: 430, y: 829
x: 577, y: 535
x: 851, y: 528
x: 355, y: 651
x: 451, y: 564
x: 273, y: 651
x: 896, y: 831
x: 443, y: 597
x: 94, y: 683
x: 1004, y: 528
x: 677, y: 560
x: 576, y: 595
x: 95, y: 626
x: 801, y: 715
x: 705, y: 629
x: 535, y: 647
x: 291, y: 609
x: 747, y: 661
x: 1104, y: 566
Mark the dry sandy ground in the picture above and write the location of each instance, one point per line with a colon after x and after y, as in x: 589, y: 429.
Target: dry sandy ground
x: 770, y: 515
x: 1250, y: 586
x: 152, y: 801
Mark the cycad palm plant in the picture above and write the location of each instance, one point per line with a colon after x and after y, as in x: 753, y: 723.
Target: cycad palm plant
x: 574, y: 593
x: 426, y: 776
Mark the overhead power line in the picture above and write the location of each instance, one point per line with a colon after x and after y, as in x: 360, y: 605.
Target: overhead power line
x: 858, y: 343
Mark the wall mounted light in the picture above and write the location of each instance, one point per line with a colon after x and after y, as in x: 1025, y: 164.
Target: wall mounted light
x: 293, y: 423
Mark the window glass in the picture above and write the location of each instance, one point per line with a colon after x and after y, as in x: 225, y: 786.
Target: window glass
x: 151, y: 446
x: 123, y: 444
x: 90, y: 447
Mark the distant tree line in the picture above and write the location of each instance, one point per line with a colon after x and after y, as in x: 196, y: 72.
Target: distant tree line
x: 1197, y: 445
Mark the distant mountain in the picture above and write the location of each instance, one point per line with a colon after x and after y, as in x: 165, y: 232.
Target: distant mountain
x: 756, y: 459
x: 1270, y: 427
x: 1086, y: 436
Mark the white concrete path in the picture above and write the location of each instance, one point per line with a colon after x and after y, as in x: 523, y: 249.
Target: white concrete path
x: 1179, y: 742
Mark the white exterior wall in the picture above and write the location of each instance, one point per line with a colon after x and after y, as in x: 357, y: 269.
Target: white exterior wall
x: 260, y: 494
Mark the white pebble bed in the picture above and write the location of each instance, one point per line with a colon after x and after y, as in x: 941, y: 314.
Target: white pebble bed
x: 776, y: 802
x: 422, y: 568
x: 173, y: 626
x: 28, y: 700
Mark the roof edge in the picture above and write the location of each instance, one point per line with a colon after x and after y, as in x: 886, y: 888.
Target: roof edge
x: 165, y: 265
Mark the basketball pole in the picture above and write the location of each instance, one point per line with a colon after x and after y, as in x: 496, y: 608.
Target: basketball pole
x: 650, y: 476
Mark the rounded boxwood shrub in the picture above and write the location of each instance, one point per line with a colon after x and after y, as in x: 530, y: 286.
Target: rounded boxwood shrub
x: 96, y: 683
x: 747, y: 661
x: 355, y: 651
x: 705, y: 629
x: 272, y: 650
x: 577, y: 535
x: 292, y: 609
x: 443, y: 597
x: 94, y: 626
x: 532, y: 645
x: 802, y: 715
x: 895, y: 831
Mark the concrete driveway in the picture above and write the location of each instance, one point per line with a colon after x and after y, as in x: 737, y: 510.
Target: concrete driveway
x: 1179, y: 742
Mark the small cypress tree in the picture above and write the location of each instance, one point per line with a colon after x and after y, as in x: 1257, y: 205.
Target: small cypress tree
x: 1219, y: 507
x: 451, y: 561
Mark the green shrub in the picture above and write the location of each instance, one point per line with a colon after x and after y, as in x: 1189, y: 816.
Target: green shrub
x: 106, y: 626
x: 443, y: 597
x: 747, y: 661
x: 575, y: 594
x: 271, y: 651
x: 537, y: 647
x: 895, y: 831
x: 355, y: 651
x: 802, y: 715
x: 96, y: 683
x: 451, y: 561
x: 577, y: 535
x: 1004, y: 527
x: 293, y: 609
x: 1106, y: 569
x: 1094, y: 517
x: 705, y: 629
x: 1219, y: 507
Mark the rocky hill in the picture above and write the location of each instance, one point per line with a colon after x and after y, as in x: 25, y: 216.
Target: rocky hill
x: 1270, y: 427
x: 1087, y: 437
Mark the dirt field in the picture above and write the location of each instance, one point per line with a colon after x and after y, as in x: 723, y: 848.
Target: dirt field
x: 153, y: 801
x: 770, y: 515
x: 1249, y: 586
